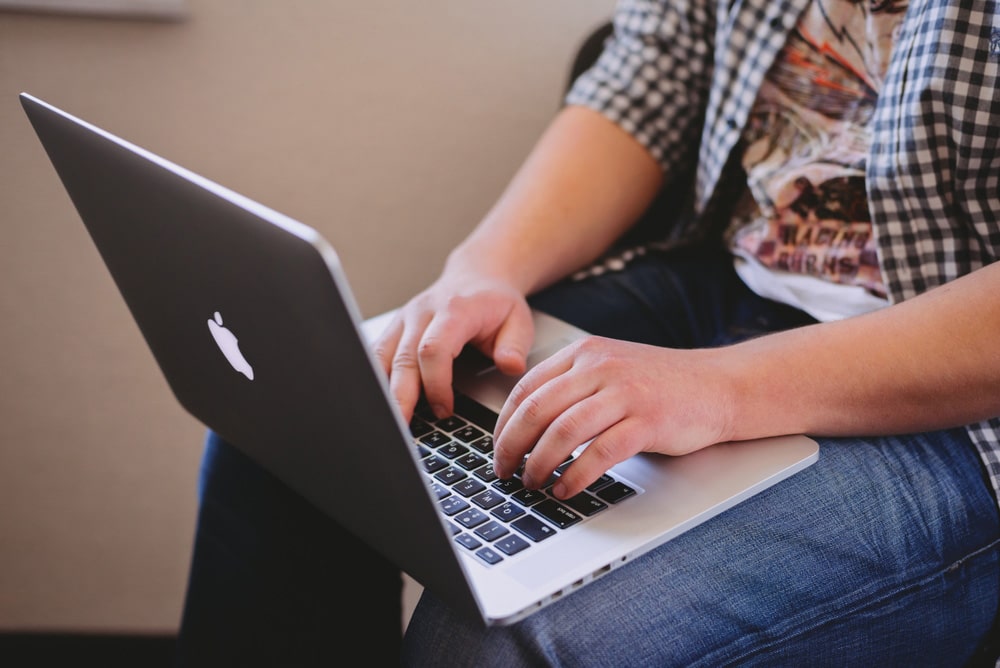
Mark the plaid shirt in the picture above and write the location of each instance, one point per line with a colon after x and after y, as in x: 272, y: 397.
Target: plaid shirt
x: 681, y: 76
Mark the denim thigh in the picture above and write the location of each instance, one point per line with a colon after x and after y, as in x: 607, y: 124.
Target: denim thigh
x: 884, y: 552
x: 687, y: 298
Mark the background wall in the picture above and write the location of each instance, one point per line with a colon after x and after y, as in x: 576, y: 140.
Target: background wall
x: 367, y: 120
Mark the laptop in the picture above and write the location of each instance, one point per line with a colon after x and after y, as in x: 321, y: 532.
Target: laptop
x: 252, y: 321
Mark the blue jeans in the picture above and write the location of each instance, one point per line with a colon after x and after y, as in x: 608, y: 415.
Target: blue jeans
x: 884, y: 552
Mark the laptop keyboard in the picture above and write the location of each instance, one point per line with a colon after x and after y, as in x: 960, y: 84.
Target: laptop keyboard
x: 493, y: 518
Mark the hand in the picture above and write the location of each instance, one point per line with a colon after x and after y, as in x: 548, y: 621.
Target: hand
x: 627, y: 397
x: 418, y: 347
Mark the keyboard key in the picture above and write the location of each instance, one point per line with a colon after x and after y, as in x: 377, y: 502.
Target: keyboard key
x: 533, y: 528
x: 468, y: 487
x: 486, y: 473
x: 508, y: 486
x: 511, y: 544
x: 585, y: 504
x: 489, y: 556
x: 419, y: 427
x: 528, y: 497
x: 483, y: 445
x: 472, y: 517
x: 508, y: 511
x: 435, y: 439
x: 466, y: 540
x: 489, y: 499
x: 470, y: 460
x: 452, y: 450
x: 491, y: 531
x: 440, y: 491
x: 601, y: 482
x: 433, y: 463
x: 556, y: 513
x: 450, y: 423
x: 450, y: 475
x: 468, y: 434
x: 615, y: 492
x: 453, y: 504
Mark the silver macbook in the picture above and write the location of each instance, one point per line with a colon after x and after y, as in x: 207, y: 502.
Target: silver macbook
x: 252, y: 321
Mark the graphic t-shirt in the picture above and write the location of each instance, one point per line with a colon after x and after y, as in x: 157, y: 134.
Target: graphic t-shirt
x: 803, y: 232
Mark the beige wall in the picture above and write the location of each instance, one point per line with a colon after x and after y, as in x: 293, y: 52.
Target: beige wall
x: 367, y: 120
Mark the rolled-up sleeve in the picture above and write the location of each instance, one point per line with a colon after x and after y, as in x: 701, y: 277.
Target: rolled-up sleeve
x: 653, y: 76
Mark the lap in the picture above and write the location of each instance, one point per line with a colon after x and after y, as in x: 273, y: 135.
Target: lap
x: 885, y: 550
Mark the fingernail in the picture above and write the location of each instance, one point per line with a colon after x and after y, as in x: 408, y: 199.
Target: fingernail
x: 440, y: 411
x: 559, y: 490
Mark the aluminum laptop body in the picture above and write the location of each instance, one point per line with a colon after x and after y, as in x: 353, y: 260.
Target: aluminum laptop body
x: 305, y: 398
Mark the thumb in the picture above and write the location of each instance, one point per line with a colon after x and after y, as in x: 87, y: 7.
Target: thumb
x: 513, y: 341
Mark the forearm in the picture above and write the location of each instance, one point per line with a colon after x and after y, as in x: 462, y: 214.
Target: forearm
x: 928, y: 363
x: 585, y: 182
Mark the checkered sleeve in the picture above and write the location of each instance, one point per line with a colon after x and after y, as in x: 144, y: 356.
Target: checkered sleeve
x: 653, y: 76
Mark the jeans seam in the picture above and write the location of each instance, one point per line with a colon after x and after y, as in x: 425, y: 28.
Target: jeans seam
x: 868, y: 604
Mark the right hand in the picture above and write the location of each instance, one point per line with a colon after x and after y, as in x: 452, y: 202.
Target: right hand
x: 418, y: 347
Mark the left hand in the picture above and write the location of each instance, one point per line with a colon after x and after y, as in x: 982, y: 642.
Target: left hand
x: 626, y: 397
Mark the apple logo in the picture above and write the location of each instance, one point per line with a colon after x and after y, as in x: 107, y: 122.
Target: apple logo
x: 229, y: 346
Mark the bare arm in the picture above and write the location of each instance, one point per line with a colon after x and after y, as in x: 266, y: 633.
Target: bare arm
x: 931, y: 362
x: 928, y: 363
x: 585, y: 182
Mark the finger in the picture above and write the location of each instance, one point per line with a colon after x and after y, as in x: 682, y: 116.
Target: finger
x: 441, y: 343
x: 514, y: 340
x: 544, y: 372
x: 404, y: 376
x: 612, y: 446
x: 386, y: 342
x: 575, y: 426
x: 529, y: 410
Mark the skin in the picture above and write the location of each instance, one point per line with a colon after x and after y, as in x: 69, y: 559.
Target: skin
x: 930, y: 362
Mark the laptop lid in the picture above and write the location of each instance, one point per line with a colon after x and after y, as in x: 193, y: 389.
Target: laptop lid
x: 251, y: 319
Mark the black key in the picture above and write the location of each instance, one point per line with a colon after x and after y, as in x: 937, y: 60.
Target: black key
x: 483, y: 445
x: 489, y: 556
x: 533, y: 528
x: 615, y: 492
x: 433, y: 463
x: 556, y: 513
x: 488, y: 499
x: 486, y: 473
x: 440, y: 491
x: 585, y: 504
x: 470, y: 460
x: 468, y: 434
x: 450, y: 423
x: 465, y: 540
x: 452, y: 450
x: 511, y: 544
x: 468, y: 487
x: 508, y: 511
x: 529, y: 496
x: 508, y: 486
x: 453, y: 504
x: 472, y: 517
x: 601, y: 482
x: 451, y: 475
x: 419, y: 426
x: 435, y: 439
x: 491, y: 531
